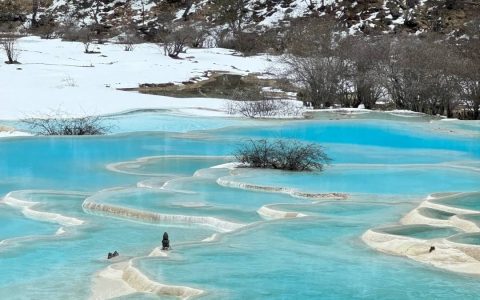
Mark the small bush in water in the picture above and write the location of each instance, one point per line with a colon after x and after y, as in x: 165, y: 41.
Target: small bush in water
x: 89, y: 125
x: 288, y: 155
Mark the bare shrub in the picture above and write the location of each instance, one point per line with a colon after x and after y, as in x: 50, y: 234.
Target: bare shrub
x: 199, y: 34
x: 45, y: 26
x: 231, y: 12
x: 249, y: 43
x: 422, y: 76
x: 470, y: 73
x: 316, y: 66
x: 129, y: 39
x: 363, y: 80
x: 288, y: 155
x: 176, y: 41
x: 254, y: 103
x: 59, y: 125
x: 128, y: 36
x: 68, y: 81
x: 471, y: 92
x: 223, y: 39
x: 297, y: 37
x: 86, y: 36
x: 68, y: 29
x: 8, y: 43
x: 321, y: 78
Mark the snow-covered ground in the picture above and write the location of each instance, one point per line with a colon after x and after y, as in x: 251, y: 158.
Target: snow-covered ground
x: 59, y: 76
x: 13, y: 134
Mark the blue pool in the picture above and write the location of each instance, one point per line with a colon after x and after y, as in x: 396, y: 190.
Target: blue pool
x: 68, y: 201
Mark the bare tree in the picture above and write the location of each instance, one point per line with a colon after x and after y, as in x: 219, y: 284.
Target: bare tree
x: 86, y: 35
x: 422, y: 76
x: 9, y: 44
x: 94, y: 11
x: 128, y: 29
x: 35, y: 6
x: 254, y: 103
x: 231, y: 12
x: 129, y: 39
x: 471, y: 92
x: 199, y: 34
x: 12, y: 14
x: 176, y: 41
x: 470, y: 75
x: 320, y: 78
x: 316, y: 66
x: 297, y: 37
x: 365, y: 59
x: 143, y: 11
x: 188, y: 6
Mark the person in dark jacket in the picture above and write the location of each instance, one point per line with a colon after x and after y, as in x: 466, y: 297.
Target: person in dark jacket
x: 165, y: 242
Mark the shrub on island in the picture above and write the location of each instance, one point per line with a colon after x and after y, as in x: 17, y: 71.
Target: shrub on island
x: 87, y: 125
x: 290, y: 155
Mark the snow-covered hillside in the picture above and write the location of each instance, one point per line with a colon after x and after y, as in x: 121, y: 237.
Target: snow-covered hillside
x: 56, y: 75
x: 356, y: 15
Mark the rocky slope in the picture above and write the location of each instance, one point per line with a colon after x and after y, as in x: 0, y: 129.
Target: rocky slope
x: 368, y: 16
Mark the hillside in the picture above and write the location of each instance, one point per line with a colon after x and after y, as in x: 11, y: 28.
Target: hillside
x: 368, y: 16
x: 419, y: 55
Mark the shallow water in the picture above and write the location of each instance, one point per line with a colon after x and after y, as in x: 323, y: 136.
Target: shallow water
x: 465, y: 200
x: 15, y: 225
x: 129, y: 188
x: 381, y: 180
x: 420, y: 231
x: 306, y: 259
x: 435, y: 214
x: 468, y: 238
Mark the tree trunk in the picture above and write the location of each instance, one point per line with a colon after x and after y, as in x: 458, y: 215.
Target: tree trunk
x: 188, y: 4
x: 476, y: 107
x: 35, y: 5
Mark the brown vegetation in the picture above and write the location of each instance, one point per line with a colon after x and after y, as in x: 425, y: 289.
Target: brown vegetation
x: 290, y: 155
x: 425, y: 74
x: 8, y: 42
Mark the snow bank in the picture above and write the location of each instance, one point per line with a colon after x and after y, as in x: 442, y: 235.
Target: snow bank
x: 4, y: 134
x: 56, y: 75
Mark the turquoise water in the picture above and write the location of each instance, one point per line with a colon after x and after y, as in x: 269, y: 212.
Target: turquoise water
x: 371, y: 115
x: 381, y: 180
x: 39, y: 268
x: 466, y: 201
x: 467, y: 238
x: 303, y: 259
x: 475, y: 218
x: 155, y: 120
x: 366, y: 133
x: 14, y: 225
x: 171, y: 203
x: 420, y: 231
x: 386, y: 166
x: 435, y: 214
x: 155, y: 166
x: 355, y: 210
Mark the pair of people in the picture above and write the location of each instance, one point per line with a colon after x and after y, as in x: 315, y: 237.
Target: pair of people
x: 165, y: 246
x: 112, y: 255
